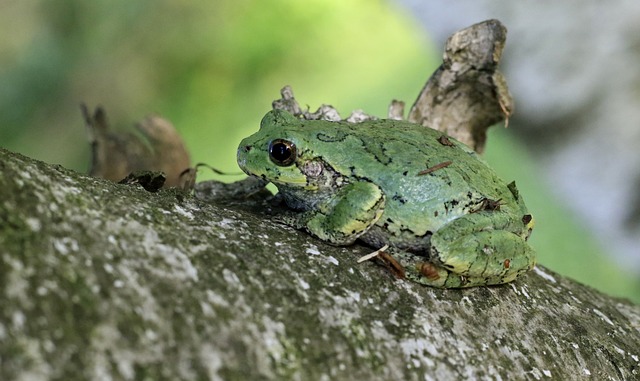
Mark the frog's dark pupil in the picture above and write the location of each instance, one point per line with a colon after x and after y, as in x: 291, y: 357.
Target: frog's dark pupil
x: 282, y: 152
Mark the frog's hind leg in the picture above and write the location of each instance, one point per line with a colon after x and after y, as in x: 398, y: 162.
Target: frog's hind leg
x: 478, y: 249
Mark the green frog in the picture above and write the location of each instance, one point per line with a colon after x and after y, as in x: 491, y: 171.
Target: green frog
x: 442, y: 214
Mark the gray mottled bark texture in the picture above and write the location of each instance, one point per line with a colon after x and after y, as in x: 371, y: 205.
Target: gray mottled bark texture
x: 104, y: 281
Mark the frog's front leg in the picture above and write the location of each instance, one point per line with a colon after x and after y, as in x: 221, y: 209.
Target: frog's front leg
x: 482, y: 248
x: 343, y: 217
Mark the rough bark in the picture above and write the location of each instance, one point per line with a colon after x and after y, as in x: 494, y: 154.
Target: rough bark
x: 108, y: 281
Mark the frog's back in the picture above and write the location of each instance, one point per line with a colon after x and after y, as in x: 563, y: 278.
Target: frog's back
x: 387, y: 149
x: 427, y: 177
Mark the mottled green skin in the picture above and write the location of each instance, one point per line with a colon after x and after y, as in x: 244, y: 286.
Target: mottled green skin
x: 457, y: 226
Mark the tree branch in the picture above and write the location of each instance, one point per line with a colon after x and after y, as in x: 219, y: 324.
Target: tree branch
x: 103, y: 280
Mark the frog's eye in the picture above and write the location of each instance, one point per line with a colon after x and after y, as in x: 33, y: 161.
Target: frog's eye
x: 282, y: 152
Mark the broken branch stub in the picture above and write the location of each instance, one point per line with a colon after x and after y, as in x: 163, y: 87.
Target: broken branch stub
x: 467, y: 94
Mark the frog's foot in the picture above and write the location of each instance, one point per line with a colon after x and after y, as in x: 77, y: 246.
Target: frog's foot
x: 482, y: 258
x: 484, y: 248
x: 419, y: 269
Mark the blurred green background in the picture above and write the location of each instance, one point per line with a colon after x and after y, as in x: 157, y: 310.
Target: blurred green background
x: 213, y: 69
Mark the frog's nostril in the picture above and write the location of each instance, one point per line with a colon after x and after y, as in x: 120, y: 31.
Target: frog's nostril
x: 247, y: 148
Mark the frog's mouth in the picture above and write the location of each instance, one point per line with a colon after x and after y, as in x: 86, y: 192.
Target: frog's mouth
x: 278, y: 179
x: 290, y: 177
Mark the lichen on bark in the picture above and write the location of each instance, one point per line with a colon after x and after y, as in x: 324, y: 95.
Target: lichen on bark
x: 108, y: 281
